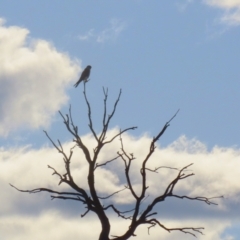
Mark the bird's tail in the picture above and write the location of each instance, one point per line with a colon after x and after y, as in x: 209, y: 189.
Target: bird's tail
x: 75, y: 85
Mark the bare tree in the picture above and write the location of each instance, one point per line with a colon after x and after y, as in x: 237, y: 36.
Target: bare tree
x: 90, y: 198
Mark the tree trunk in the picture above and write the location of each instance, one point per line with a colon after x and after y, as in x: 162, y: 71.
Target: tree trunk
x: 104, y: 235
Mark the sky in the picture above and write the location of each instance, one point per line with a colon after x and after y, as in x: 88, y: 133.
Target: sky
x: 164, y: 56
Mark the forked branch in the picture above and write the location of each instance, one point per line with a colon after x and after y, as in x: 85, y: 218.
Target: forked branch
x: 190, y: 230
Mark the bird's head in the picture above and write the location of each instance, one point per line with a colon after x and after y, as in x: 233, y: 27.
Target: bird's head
x: 89, y: 67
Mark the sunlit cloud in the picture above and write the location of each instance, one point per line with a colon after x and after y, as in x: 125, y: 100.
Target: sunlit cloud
x: 215, y: 170
x: 47, y: 225
x: 231, y: 10
x: 34, y: 77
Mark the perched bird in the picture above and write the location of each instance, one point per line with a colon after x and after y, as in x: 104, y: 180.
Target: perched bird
x: 84, y: 76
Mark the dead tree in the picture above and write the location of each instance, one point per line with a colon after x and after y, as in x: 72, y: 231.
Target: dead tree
x: 89, y: 197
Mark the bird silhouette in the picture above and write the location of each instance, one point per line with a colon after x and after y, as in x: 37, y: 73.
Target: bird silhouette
x: 84, y: 76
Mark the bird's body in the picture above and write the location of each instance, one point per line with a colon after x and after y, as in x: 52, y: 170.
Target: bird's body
x: 84, y: 76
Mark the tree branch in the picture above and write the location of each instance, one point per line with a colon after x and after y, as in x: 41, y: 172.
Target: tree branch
x: 89, y: 115
x: 103, y: 164
x: 153, y: 222
x: 120, y: 213
x: 113, y: 193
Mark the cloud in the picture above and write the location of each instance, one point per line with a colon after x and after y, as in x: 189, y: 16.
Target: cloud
x: 231, y: 10
x: 227, y: 4
x: 34, y: 76
x: 217, y: 171
x: 52, y: 225
x: 109, y: 34
x: 48, y: 225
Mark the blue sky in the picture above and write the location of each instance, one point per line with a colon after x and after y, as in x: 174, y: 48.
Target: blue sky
x: 164, y: 55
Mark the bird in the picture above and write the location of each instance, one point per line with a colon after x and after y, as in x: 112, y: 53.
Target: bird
x: 84, y: 76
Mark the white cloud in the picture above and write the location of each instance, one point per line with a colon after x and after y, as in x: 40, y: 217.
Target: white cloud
x: 216, y: 172
x: 48, y: 225
x: 226, y: 4
x: 108, y: 34
x: 231, y: 10
x: 33, y: 79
